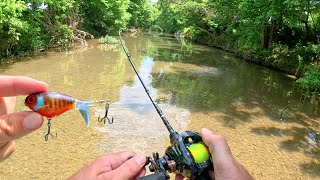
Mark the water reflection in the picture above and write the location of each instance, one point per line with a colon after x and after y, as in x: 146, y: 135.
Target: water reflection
x: 137, y: 124
x: 134, y: 97
x: 214, y: 84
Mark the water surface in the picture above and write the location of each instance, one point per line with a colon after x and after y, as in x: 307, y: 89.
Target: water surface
x: 271, y: 127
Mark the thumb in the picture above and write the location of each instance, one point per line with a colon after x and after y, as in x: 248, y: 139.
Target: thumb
x: 16, y: 125
x: 218, y: 146
x: 130, y: 168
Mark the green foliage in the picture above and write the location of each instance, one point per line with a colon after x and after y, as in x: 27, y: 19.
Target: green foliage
x: 56, y: 21
x: 190, y: 32
x: 311, y: 78
x: 143, y: 14
x: 64, y: 35
x: 283, y: 34
x: 11, y: 25
x: 34, y: 25
x: 108, y: 40
x: 104, y: 16
x: 170, y: 18
x: 296, y: 59
x: 156, y: 28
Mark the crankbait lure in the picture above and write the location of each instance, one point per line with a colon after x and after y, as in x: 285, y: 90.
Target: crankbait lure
x: 51, y: 104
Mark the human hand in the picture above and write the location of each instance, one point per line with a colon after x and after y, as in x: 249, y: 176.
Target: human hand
x: 226, y: 167
x: 16, y: 125
x: 124, y: 165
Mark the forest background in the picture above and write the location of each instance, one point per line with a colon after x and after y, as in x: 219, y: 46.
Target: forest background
x: 282, y: 34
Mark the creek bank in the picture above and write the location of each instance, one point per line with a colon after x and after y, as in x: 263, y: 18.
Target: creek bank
x: 254, y: 58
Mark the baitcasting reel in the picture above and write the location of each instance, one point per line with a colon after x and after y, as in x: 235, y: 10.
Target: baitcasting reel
x: 187, y: 155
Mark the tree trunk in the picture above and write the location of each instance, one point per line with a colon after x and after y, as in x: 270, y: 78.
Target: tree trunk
x: 265, y: 35
x: 273, y: 37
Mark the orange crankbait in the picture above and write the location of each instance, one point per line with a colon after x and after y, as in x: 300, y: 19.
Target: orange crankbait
x: 51, y: 104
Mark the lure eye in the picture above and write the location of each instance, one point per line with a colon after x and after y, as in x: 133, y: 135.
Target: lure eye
x: 31, y: 99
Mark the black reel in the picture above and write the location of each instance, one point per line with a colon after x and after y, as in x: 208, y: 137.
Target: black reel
x: 187, y: 155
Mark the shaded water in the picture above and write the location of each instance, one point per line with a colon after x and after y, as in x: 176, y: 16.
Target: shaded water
x: 272, y: 129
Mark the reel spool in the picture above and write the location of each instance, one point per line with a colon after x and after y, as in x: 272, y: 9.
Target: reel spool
x: 199, y: 152
x: 187, y: 155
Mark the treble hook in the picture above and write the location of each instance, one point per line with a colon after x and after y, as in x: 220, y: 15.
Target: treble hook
x: 49, y: 133
x: 110, y: 121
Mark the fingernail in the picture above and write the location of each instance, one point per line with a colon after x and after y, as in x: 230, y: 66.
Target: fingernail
x: 141, y: 160
x: 32, y: 121
x: 45, y: 86
x: 206, y: 131
x: 42, y: 82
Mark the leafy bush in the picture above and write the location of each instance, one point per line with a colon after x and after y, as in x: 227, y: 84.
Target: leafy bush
x: 294, y: 60
x: 311, y: 78
x: 156, y: 28
x: 108, y: 40
x: 11, y: 25
x: 104, y: 16
x: 33, y: 25
x: 64, y: 36
x: 143, y: 14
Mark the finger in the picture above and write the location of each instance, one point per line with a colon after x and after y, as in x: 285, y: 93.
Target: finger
x: 16, y: 125
x: 100, y: 168
x: 218, y: 146
x: 6, y: 150
x: 7, y: 105
x: 19, y: 85
x: 130, y: 168
x: 225, y: 165
x: 115, y: 160
x: 141, y: 173
x: 110, y: 162
x: 11, y: 104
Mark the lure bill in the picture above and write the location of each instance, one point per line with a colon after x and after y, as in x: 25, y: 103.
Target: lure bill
x: 51, y: 104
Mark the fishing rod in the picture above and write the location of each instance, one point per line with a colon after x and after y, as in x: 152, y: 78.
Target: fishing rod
x: 187, y: 153
x: 173, y: 134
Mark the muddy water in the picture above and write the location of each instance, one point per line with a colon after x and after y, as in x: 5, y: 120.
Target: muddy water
x: 272, y: 128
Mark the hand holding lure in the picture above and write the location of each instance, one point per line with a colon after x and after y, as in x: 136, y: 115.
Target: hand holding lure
x: 51, y: 104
